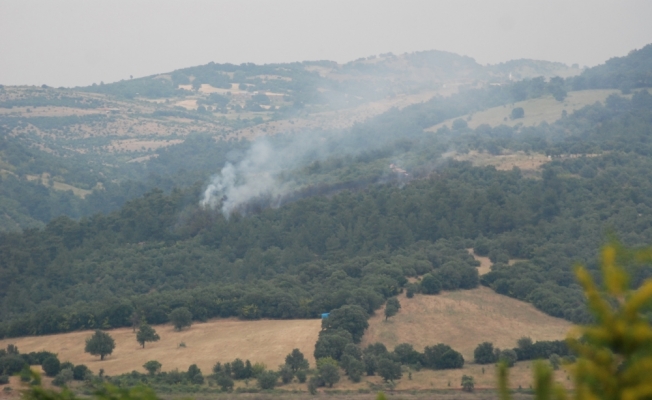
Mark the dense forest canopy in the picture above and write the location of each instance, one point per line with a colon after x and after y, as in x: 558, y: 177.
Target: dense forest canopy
x: 349, y: 233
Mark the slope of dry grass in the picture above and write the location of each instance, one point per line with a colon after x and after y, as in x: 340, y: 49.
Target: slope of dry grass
x: 536, y: 110
x: 266, y: 341
x: 463, y: 319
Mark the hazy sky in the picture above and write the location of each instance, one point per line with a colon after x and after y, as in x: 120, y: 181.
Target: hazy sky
x: 71, y: 43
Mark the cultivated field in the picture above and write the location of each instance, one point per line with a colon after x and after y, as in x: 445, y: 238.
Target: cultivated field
x: 266, y: 341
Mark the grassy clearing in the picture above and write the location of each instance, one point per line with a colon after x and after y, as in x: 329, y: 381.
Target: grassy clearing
x: 463, y: 319
x: 544, y: 109
x: 266, y: 341
x: 45, y: 181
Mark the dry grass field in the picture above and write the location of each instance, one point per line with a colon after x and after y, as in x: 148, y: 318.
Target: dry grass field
x: 266, y: 341
x: 536, y: 110
x: 463, y: 319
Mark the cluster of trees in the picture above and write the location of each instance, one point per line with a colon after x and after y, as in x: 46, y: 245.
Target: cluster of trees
x: 553, y: 350
x: 13, y: 362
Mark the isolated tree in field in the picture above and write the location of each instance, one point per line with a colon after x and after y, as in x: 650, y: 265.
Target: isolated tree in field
x: 296, y: 360
x: 152, y: 367
x: 100, y: 344
x: 181, y: 317
x: 146, y: 334
x: 468, y: 383
x: 392, y: 307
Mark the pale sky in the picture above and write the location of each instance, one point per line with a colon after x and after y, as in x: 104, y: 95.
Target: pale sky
x: 74, y: 43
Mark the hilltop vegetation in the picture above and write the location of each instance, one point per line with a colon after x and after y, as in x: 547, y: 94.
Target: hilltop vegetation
x: 349, y: 231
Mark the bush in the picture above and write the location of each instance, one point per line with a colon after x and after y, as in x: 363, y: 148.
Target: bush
x: 267, y: 380
x: 51, y: 366
x: 430, y: 284
x: 484, y: 353
x: 11, y: 364
x: 224, y: 381
x: 63, y: 377
x: 301, y: 375
x: 80, y: 372
x: 4, y: 379
x: 286, y: 374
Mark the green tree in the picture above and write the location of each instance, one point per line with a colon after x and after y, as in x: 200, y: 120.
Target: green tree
x: 468, y: 383
x: 430, y: 284
x: 152, y: 367
x: 100, y: 344
x: 555, y: 361
x: 392, y: 307
x: 267, y: 379
x: 484, y: 353
x: 388, y: 369
x: 51, y: 366
x: 296, y: 360
x: 181, y: 317
x: 224, y: 381
x: 508, y: 357
x: 286, y: 373
x: 329, y: 373
x: 146, y: 334
x: 194, y: 375
x: 351, y: 318
x: 81, y: 372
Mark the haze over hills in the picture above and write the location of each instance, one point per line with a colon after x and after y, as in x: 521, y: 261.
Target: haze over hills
x: 147, y: 195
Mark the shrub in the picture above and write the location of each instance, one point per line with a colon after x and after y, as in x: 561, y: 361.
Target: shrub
x: 301, y: 375
x: 51, y: 366
x: 267, y: 379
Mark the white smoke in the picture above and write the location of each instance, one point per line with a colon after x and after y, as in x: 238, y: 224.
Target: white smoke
x: 255, y: 176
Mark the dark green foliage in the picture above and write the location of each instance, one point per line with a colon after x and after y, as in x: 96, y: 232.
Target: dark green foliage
x: 181, y: 317
x: 296, y: 361
x: 332, y: 343
x: 543, y: 349
x: 12, y: 364
x: 100, y: 344
x: 484, y: 353
x: 146, y: 334
x: 442, y: 356
x: 267, y: 380
x: 194, y: 375
x: 508, y: 357
x: 224, y: 381
x: 354, y: 368
x: 329, y: 374
x: 80, y: 372
x: 286, y: 373
x: 301, y: 375
x: 405, y: 354
x: 51, y: 366
x: 4, y: 379
x: 411, y: 289
x: 430, y: 284
x: 352, y: 319
x: 388, y: 369
x: 152, y: 367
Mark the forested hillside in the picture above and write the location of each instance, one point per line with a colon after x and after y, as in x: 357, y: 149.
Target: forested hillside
x: 346, y: 230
